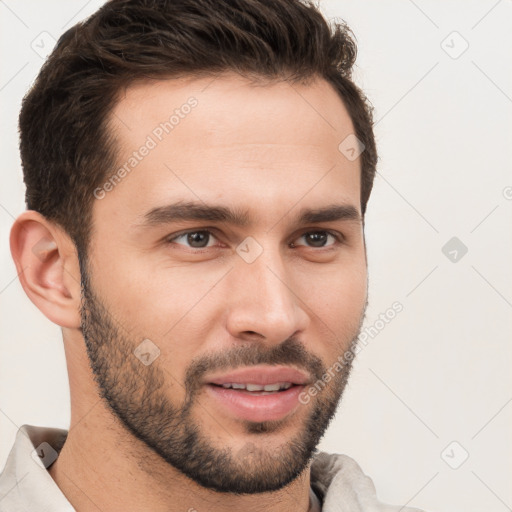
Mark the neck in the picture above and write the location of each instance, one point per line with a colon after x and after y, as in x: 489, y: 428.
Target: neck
x: 102, y: 466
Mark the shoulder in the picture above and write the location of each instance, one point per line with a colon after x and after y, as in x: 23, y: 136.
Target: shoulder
x: 343, y: 485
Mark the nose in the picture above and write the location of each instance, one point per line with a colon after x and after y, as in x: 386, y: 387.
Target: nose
x: 265, y: 304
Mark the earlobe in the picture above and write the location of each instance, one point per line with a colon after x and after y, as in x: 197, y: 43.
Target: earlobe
x: 47, y: 267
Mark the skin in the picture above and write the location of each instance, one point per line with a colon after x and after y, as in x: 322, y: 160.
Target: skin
x: 270, y: 149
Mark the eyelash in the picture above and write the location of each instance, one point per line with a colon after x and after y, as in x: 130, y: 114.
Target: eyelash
x: 337, y: 236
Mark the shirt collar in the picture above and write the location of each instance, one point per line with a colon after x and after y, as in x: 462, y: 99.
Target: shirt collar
x: 25, y: 483
x: 25, y: 480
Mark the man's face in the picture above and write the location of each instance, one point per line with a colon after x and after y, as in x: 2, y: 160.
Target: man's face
x: 179, y: 314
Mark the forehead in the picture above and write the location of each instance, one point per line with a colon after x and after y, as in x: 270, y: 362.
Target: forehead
x: 226, y: 100
x: 226, y: 138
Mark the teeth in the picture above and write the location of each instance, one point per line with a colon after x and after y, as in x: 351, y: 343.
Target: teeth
x: 257, y: 387
x: 254, y: 387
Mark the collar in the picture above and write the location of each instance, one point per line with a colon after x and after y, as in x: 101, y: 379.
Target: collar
x: 337, y: 482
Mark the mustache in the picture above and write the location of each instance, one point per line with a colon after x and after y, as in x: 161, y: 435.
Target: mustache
x: 290, y: 352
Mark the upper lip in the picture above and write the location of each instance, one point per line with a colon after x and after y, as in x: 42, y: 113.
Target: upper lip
x: 261, y: 375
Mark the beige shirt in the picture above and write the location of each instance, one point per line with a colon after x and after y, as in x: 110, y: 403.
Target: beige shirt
x: 337, y: 482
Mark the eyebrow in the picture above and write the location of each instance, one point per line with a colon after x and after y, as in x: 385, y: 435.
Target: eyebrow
x: 192, y: 210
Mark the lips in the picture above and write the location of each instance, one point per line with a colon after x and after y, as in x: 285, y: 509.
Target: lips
x: 258, y: 393
x: 269, y: 388
x: 262, y: 376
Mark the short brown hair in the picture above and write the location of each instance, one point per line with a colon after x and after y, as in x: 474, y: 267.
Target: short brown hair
x: 66, y: 147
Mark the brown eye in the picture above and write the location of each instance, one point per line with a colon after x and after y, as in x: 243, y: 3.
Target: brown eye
x: 195, y: 239
x: 319, y: 239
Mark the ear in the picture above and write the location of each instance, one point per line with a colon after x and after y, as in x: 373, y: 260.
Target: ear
x: 47, y: 266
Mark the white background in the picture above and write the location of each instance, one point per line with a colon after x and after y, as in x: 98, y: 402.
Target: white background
x: 440, y: 371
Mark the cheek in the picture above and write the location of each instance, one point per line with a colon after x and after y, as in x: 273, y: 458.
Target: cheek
x: 336, y: 303
x: 172, y: 308
x: 338, y: 294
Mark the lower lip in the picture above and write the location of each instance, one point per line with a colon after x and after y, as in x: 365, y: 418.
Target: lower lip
x: 257, y: 407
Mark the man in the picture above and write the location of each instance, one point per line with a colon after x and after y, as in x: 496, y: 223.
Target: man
x: 197, y: 176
